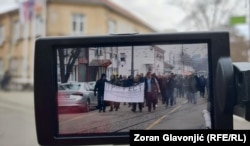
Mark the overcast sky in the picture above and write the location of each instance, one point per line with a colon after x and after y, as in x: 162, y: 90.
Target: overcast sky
x: 155, y: 12
x: 165, y: 17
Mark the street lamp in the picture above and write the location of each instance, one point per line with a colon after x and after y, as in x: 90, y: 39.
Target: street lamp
x: 182, y: 54
x: 132, y: 61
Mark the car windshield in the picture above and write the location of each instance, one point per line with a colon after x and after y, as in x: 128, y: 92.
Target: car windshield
x: 73, y: 87
x: 91, y: 85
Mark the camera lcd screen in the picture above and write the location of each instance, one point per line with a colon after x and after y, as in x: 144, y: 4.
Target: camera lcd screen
x: 157, y: 86
x: 95, y: 89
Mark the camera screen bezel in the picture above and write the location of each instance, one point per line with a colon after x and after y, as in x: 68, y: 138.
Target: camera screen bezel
x: 45, y: 78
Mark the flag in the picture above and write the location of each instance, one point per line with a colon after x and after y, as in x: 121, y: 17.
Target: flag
x: 237, y: 20
x: 26, y: 10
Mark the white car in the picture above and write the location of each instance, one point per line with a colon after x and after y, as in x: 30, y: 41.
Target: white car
x: 92, y: 85
x: 76, y: 96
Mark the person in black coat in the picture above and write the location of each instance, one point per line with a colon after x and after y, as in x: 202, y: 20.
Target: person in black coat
x: 6, y: 80
x: 202, y: 85
x: 99, y: 86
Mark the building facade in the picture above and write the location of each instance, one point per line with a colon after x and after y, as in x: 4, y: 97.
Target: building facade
x: 59, y: 18
x: 145, y: 58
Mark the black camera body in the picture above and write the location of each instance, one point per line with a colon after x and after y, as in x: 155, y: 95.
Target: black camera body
x: 227, y: 88
x: 242, y: 85
x: 232, y: 83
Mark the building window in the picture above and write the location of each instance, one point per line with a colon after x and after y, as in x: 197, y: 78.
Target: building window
x: 159, y: 56
x: 25, y: 31
x: 2, y: 34
x: 99, y: 52
x: 111, y: 27
x: 78, y: 21
x: 123, y: 57
x: 16, y: 31
x: 39, y: 26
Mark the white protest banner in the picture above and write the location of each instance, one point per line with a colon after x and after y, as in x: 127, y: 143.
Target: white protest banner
x: 124, y: 94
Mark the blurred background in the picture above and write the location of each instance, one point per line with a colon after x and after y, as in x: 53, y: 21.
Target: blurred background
x: 23, y: 21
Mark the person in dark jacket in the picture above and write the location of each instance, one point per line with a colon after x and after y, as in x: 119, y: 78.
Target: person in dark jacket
x: 99, y: 86
x: 6, y: 80
x: 202, y: 85
x: 192, y: 89
x: 169, y: 98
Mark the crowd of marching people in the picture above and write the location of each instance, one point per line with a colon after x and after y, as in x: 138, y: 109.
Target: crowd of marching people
x: 164, y: 88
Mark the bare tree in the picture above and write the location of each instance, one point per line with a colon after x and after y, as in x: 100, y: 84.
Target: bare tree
x: 208, y: 14
x: 196, y: 63
x: 66, y: 67
x: 238, y: 48
x: 215, y: 15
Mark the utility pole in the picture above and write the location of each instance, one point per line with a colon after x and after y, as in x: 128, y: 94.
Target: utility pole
x: 132, y: 61
x: 182, y: 59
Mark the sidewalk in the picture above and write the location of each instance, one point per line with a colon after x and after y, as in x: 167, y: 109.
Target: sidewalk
x: 25, y: 98
x: 240, y: 123
x: 5, y: 94
x: 17, y: 119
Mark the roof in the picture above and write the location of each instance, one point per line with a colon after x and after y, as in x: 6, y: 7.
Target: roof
x: 8, y: 8
x: 109, y: 5
x: 106, y: 3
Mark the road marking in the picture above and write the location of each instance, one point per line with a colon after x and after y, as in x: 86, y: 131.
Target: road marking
x: 149, y: 127
x: 185, y: 101
x: 156, y: 122
x: 164, y: 116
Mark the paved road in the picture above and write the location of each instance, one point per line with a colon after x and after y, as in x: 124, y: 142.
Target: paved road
x: 17, y: 124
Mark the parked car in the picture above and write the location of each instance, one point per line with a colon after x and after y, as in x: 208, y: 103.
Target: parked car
x: 76, y: 96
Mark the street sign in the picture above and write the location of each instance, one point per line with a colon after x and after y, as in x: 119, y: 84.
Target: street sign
x: 234, y: 20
